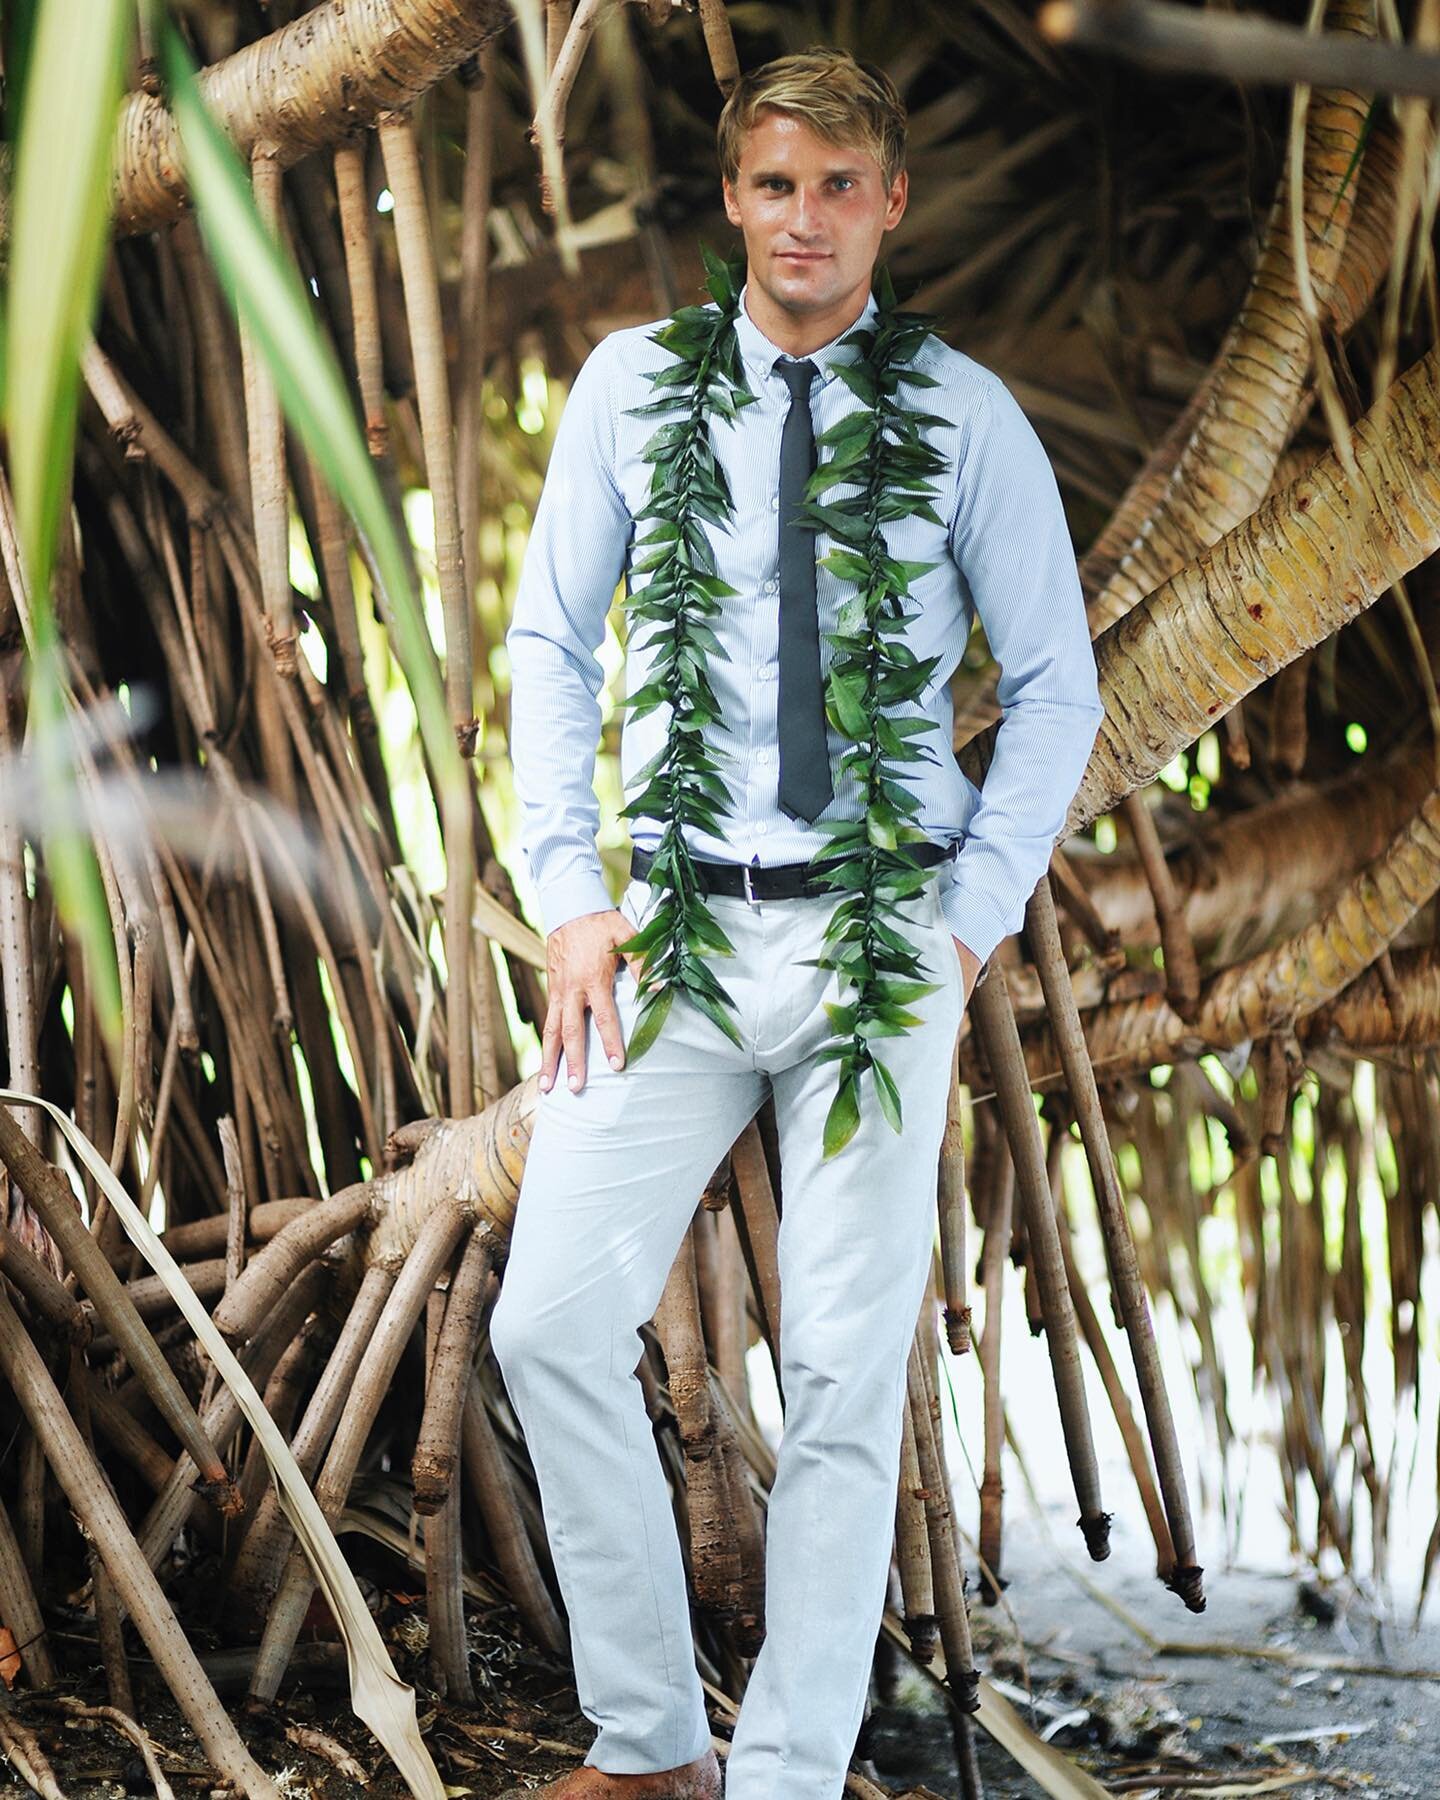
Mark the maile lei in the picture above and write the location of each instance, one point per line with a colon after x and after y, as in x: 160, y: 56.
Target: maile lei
x: 879, y: 449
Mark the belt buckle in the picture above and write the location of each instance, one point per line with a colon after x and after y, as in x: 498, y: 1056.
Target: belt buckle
x: 750, y: 895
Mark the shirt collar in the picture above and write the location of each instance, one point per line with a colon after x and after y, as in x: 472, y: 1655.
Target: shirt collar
x: 761, y: 354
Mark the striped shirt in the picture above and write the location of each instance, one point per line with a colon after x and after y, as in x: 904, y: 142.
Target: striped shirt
x: 1003, y: 552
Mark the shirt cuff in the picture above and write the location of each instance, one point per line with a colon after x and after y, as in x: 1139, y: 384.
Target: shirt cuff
x: 572, y: 896
x: 976, y: 925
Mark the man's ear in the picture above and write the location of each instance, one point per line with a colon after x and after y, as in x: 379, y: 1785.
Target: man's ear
x: 899, y: 194
x: 732, y: 210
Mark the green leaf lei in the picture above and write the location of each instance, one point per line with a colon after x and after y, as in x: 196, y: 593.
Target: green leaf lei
x: 879, y: 449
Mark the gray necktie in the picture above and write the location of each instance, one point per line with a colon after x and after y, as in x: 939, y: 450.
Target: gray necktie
x: 805, y: 785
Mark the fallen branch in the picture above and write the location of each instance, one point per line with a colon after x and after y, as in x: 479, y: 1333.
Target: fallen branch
x: 128, y: 1729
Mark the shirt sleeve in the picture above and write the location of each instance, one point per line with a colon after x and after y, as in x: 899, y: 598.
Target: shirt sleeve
x: 1012, y: 545
x: 573, y: 562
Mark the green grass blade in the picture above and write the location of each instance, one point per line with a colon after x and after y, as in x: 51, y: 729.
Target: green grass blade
x: 74, y: 76
x: 272, y: 300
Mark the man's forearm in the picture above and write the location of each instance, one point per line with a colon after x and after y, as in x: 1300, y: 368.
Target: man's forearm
x: 554, y: 710
x: 573, y: 564
x: 1041, y: 751
x: 1012, y: 544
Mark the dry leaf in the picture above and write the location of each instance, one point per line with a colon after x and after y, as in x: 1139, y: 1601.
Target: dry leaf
x: 10, y: 1664
x: 1057, y: 1775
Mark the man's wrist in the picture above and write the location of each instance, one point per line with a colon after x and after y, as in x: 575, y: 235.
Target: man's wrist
x: 572, y: 896
x: 977, y: 926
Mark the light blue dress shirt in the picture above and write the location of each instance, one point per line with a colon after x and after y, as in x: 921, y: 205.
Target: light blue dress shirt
x: 1003, y: 552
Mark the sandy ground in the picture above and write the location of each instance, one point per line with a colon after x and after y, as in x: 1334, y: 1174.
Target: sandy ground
x: 1124, y: 1710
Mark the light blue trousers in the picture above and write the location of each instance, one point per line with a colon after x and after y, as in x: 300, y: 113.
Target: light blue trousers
x: 611, y: 1184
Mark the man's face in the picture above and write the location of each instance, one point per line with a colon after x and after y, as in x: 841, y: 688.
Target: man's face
x: 812, y: 213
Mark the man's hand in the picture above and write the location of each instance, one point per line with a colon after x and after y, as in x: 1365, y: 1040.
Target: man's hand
x: 970, y: 969
x: 580, y: 963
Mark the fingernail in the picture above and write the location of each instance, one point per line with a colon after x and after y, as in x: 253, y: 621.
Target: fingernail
x: 544, y: 1083
x: 574, y: 1081
x: 615, y: 1062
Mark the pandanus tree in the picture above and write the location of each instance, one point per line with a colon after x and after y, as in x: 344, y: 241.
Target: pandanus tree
x: 273, y: 347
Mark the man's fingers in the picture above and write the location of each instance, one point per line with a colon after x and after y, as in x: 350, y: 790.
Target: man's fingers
x: 565, y: 1028
x: 573, y: 1030
x: 550, y: 1045
x: 607, y: 1021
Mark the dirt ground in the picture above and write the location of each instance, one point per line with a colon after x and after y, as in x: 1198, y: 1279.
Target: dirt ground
x: 1183, y: 1719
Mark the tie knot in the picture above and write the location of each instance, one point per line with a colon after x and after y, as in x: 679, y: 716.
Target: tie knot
x: 797, y: 376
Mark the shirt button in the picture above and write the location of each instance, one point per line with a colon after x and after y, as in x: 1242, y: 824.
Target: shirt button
x: 770, y: 586
x: 767, y: 672
x: 774, y: 503
x: 762, y: 756
x: 762, y: 828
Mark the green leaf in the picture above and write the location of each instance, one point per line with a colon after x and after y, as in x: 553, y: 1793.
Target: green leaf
x: 904, y: 882
x: 886, y: 1092
x: 666, y: 438
x: 910, y: 990
x: 859, y: 380
x: 706, y: 932
x: 713, y: 1010
x: 853, y: 424
x: 843, y: 1119
x: 657, y: 559
x: 839, y: 521
x: 906, y: 572
x: 653, y: 1014
x: 667, y: 403
x: 876, y: 1027
x: 653, y: 931
x: 847, y: 565
x: 847, y: 703
x: 897, y: 1015
x: 898, y: 506
x: 880, y: 823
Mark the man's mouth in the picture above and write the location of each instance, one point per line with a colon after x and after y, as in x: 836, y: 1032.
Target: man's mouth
x: 802, y: 255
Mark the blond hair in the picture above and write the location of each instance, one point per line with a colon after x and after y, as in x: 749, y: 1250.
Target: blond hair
x: 842, y: 100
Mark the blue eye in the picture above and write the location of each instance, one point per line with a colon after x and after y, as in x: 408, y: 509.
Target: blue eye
x: 778, y: 181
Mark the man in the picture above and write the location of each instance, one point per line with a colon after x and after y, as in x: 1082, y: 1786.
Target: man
x: 812, y: 156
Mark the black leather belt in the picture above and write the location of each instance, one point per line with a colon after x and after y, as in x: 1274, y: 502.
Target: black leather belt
x: 783, y: 881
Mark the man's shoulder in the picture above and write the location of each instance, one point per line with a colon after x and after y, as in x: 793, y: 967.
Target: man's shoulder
x: 961, y: 374
x: 631, y: 349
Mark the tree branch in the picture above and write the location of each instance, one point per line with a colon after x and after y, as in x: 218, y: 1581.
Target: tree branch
x: 305, y: 87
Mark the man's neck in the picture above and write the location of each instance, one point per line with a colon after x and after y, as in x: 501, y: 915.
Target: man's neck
x: 797, y: 334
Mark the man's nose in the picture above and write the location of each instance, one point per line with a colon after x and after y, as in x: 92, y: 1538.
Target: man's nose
x: 802, y: 219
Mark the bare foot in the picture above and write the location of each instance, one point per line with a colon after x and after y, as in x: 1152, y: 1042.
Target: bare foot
x: 698, y: 1780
